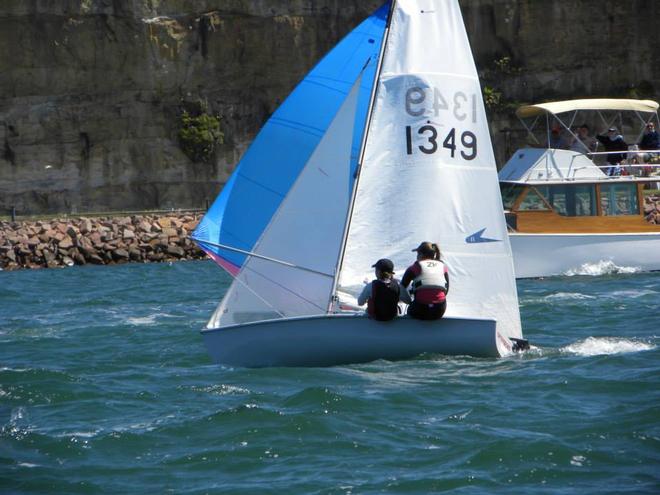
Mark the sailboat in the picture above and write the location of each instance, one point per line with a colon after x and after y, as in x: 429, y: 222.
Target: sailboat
x: 383, y: 145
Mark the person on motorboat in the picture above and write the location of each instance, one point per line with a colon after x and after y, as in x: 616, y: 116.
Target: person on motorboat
x: 430, y: 283
x: 383, y: 294
x: 583, y: 142
x: 613, y: 141
x: 650, y: 141
x: 557, y: 140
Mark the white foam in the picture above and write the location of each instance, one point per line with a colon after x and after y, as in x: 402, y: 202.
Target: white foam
x: 598, y: 346
x: 141, y: 321
x: 631, y: 294
x: 603, y: 267
x: 17, y: 414
x: 563, y: 296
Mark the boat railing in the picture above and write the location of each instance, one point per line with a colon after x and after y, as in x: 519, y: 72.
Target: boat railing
x: 636, y: 163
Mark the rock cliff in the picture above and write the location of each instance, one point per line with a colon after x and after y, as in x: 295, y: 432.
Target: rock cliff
x: 91, y: 91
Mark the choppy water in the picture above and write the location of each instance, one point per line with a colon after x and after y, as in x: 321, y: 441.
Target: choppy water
x: 105, y: 387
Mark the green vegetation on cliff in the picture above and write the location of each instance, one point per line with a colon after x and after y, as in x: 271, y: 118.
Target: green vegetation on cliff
x: 199, y: 134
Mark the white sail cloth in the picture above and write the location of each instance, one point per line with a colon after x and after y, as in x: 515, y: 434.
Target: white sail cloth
x: 306, y: 232
x: 428, y: 171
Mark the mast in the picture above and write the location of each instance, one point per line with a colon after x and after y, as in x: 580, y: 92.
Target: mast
x: 363, y: 146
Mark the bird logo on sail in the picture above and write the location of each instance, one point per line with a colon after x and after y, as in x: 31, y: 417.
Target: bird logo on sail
x: 477, y: 237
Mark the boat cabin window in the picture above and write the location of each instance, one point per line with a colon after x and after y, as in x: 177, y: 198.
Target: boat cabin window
x: 533, y: 201
x: 510, y: 193
x: 619, y: 199
x: 571, y: 200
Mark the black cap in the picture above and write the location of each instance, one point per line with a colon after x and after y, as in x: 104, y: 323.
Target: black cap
x: 384, y: 265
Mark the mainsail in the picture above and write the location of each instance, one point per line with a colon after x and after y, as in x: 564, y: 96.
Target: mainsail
x: 428, y: 172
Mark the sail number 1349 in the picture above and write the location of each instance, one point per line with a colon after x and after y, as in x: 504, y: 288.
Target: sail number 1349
x: 463, y: 108
x: 468, y: 142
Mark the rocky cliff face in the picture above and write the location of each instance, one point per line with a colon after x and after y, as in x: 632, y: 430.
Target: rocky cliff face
x: 91, y: 90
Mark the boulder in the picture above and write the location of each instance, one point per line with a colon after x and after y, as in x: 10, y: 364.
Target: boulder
x: 164, y: 222
x: 85, y: 226
x: 11, y: 255
x: 95, y: 259
x: 66, y: 243
x: 156, y: 256
x: 175, y: 251
x: 120, y: 254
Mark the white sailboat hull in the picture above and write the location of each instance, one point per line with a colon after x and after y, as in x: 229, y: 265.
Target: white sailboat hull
x: 337, y: 339
x: 543, y: 255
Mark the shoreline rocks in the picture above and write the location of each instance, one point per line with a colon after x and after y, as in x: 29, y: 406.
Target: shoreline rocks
x: 100, y: 241
x: 652, y: 209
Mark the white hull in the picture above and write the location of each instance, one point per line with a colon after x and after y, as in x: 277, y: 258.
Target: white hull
x: 543, y: 255
x: 350, y: 338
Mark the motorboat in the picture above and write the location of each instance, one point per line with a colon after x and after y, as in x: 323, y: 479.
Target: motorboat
x: 570, y: 204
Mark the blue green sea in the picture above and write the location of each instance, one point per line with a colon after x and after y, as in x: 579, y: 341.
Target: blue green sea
x: 106, y: 387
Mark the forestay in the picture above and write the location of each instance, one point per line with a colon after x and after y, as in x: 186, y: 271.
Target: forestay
x: 428, y: 172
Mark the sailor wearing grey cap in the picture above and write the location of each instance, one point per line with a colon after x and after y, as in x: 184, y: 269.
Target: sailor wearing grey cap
x: 383, y: 294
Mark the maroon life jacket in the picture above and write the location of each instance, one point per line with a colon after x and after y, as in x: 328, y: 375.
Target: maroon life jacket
x: 383, y: 305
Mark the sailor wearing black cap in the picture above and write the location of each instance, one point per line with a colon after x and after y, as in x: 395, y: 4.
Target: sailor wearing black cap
x: 383, y: 294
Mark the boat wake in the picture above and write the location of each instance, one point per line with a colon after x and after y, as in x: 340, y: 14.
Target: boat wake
x: 602, y: 346
x: 603, y: 267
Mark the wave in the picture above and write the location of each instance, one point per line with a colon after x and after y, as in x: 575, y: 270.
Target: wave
x: 604, y: 267
x: 568, y: 296
x: 632, y: 294
x: 599, y: 346
x: 142, y: 320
